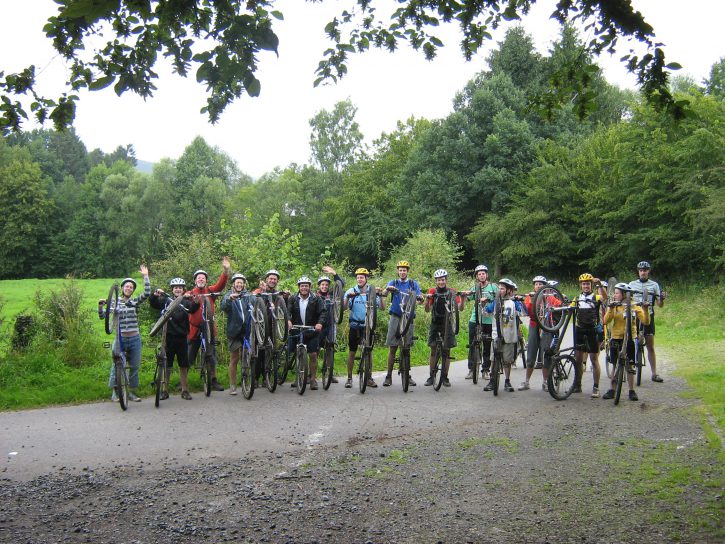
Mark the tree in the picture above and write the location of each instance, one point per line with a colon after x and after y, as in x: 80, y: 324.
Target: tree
x: 221, y: 41
x: 336, y: 140
x: 715, y: 84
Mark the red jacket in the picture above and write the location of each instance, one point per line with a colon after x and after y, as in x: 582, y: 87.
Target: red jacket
x: 195, y: 317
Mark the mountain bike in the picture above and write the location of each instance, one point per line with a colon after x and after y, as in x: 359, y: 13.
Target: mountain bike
x: 608, y: 365
x: 497, y: 362
x: 301, y: 361
x: 251, y: 347
x: 204, y: 356
x: 475, y: 345
x: 407, y: 308
x: 450, y: 326
x: 328, y: 347
x: 160, y: 374
x: 365, y: 366
x: 554, y: 314
x: 276, y: 361
x: 623, y: 363
x: 113, y: 326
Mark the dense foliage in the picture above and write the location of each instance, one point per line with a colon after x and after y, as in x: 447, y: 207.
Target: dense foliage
x: 522, y: 189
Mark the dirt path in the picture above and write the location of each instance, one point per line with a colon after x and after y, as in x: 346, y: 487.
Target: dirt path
x: 336, y: 466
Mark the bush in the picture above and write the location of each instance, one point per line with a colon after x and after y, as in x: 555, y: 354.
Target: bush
x: 427, y: 250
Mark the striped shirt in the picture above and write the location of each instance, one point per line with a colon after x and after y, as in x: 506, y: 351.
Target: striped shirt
x: 126, y: 310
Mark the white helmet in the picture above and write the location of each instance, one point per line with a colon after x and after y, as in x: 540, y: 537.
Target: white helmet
x: 323, y: 278
x: 479, y: 268
x: 542, y: 279
x: 270, y: 272
x: 508, y: 282
x: 440, y: 273
x: 624, y: 287
x: 552, y: 283
x: 177, y: 282
x: 304, y: 279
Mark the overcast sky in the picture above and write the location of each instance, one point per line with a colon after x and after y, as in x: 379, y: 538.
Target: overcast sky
x: 273, y: 129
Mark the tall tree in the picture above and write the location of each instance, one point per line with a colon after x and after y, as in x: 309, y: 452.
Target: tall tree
x: 336, y: 140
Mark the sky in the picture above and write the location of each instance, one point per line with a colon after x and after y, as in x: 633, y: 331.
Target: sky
x: 273, y: 130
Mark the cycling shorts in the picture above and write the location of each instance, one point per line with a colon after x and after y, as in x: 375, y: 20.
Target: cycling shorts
x: 586, y: 339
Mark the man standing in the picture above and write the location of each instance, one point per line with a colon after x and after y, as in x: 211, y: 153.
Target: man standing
x: 647, y: 291
x: 306, y: 308
x: 488, y: 291
x: 201, y: 290
x: 585, y: 329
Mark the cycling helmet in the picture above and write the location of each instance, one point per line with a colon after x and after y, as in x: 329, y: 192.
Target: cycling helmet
x: 643, y: 265
x: 402, y: 264
x: 362, y: 270
x: 440, y: 273
x: 323, y: 278
x: 238, y: 276
x: 304, y: 279
x: 124, y: 281
x: 541, y: 279
x: 604, y: 283
x: 507, y: 282
x: 177, y: 282
x: 552, y: 283
x: 624, y: 287
x: 586, y: 277
x: 200, y: 271
x: 479, y: 268
x: 271, y: 272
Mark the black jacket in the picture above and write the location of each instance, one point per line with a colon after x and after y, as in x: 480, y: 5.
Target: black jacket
x: 178, y: 323
x: 316, y: 311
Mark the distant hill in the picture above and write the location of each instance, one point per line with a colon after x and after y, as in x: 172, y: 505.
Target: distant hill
x: 144, y: 166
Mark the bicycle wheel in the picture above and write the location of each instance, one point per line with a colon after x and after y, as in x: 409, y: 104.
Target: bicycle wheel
x: 562, y: 376
x: 284, y: 365
x: 439, y: 367
x: 246, y: 366
x: 111, y: 302
x: 365, y: 369
x: 547, y: 303
x: 159, y: 376
x: 271, y: 368
x: 496, y: 368
x: 455, y: 314
x: 165, y: 316
x: 121, y: 384
x: 302, y: 369
x: 405, y: 368
x: 280, y: 321
x: 206, y: 373
x: 258, y: 331
x: 522, y: 349
x: 639, y: 359
x: 328, y: 366
x: 475, y: 360
x: 371, y: 316
x: 619, y: 373
x: 407, y: 316
x: 338, y: 295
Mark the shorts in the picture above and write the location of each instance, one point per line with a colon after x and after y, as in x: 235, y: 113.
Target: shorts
x: 176, y: 347
x: 312, y: 341
x: 649, y: 330
x: 586, y: 340
x: 508, y: 354
x: 616, y: 346
x: 539, y: 341
x: 354, y: 338
x: 435, y: 328
x: 234, y: 343
x: 392, y: 340
x: 194, y: 347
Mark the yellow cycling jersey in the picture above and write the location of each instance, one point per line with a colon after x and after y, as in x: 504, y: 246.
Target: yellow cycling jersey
x: 616, y: 315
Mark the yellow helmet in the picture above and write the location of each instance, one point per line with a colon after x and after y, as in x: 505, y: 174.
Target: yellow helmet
x: 403, y: 264
x: 586, y: 277
x: 362, y: 271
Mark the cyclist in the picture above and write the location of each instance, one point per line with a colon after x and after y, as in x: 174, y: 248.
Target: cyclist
x: 655, y: 296
x: 129, y: 338
x: 306, y: 308
x: 201, y: 279
x: 357, y: 298
x: 507, y: 329
x: 615, y: 313
x: 403, y: 285
x: 323, y: 291
x: 177, y: 329
x: 538, y: 340
x: 489, y: 292
x: 235, y: 305
x: 436, y: 305
x: 585, y: 329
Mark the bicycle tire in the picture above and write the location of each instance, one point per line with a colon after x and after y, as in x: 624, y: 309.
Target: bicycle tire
x: 439, y: 367
x: 640, y: 361
x: 165, y: 316
x: 328, y: 368
x: 284, y: 365
x: 338, y: 301
x: 455, y: 314
x: 302, y: 369
x: 496, y: 367
x: 258, y: 332
x: 478, y: 310
x: 121, y: 385
x: 522, y: 348
x: 207, y: 375
x: 111, y: 302
x: 280, y: 321
x: 362, y: 378
x: 271, y: 362
x: 619, y: 379
x: 246, y: 368
x: 608, y: 366
x: 545, y: 300
x: 562, y: 376
x: 476, y: 361
x: 370, y: 316
x: 407, y: 315
x: 159, y: 376
x: 405, y: 368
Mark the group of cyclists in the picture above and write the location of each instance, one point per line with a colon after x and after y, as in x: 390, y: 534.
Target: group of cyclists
x: 495, y: 322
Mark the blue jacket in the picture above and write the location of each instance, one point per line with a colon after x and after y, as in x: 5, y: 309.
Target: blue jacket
x: 239, y: 315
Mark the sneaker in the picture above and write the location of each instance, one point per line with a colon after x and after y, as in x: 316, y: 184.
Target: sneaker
x: 429, y: 381
x: 657, y: 378
x: 133, y: 397
x: 469, y: 376
x: 446, y: 383
x: 489, y: 386
x: 114, y: 396
x: 633, y: 395
x: 185, y: 395
x: 348, y: 383
x: 608, y: 395
x: 545, y: 387
x: 595, y: 393
x: 539, y: 366
x: 524, y: 386
x: 164, y: 395
x: 371, y: 383
x: 216, y: 386
x: 313, y: 385
x: 334, y: 380
x: 508, y: 387
x: 577, y: 389
x: 388, y: 381
x: 411, y: 382
x: 233, y: 390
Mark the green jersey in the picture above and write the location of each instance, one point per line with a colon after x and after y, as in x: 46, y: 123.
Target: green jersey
x: 490, y: 288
